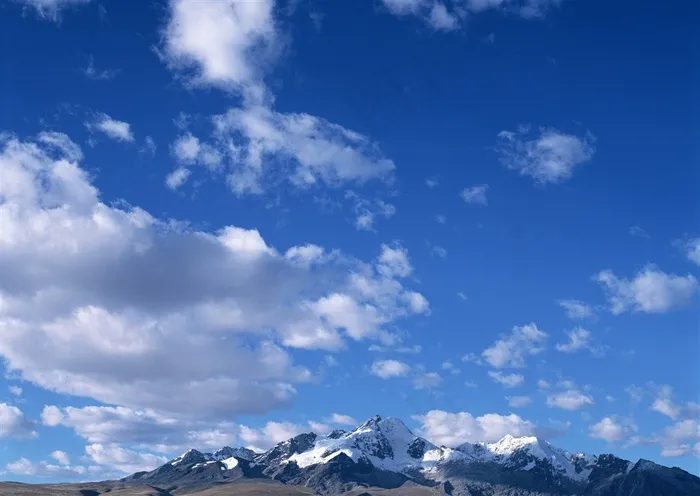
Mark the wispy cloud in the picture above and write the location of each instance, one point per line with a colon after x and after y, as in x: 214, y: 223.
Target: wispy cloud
x: 547, y: 156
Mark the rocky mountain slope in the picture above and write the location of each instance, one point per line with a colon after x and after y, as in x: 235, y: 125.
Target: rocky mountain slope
x: 384, y: 455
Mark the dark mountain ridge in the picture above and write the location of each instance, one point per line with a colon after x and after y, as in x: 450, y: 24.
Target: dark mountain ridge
x: 383, y: 454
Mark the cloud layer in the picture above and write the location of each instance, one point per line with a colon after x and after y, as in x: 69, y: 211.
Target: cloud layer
x: 159, y: 291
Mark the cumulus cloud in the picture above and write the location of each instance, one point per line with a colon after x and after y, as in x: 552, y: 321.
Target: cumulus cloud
x: 513, y: 349
x: 579, y: 339
x: 576, y: 309
x: 61, y: 457
x: 26, y: 467
x: 259, y: 140
x: 16, y: 390
x: 175, y: 179
x: 122, y: 459
x: 13, y: 423
x: 571, y: 399
x: 612, y: 429
x: 663, y: 403
x: 339, y: 418
x: 453, y: 429
x: 367, y: 211
x: 680, y: 439
x: 650, y: 291
x: 226, y: 44
x: 389, y: 368
x: 271, y: 433
x: 160, y: 290
x: 112, y: 128
x: 549, y: 156
x: 507, y: 380
x: 231, y: 45
x: 476, y: 195
x: 51, y: 10
x: 691, y: 248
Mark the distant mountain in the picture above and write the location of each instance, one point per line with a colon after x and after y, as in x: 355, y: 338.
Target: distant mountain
x: 384, y: 453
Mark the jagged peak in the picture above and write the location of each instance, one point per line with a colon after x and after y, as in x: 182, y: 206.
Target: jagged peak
x: 189, y: 456
x: 509, y: 444
x: 370, y: 422
x: 643, y: 464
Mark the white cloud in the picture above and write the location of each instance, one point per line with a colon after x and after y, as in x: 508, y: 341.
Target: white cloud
x: 448, y: 15
x: 472, y: 358
x: 549, y: 157
x: 427, y: 380
x: 60, y: 142
x: 476, y: 195
x: 681, y: 438
x: 579, y: 339
x: 13, y: 423
x: 507, y: 380
x: 453, y: 429
x: 612, y: 429
x: 651, y: 291
x: 433, y: 12
x: 338, y: 418
x: 367, y: 211
x: 61, y: 457
x: 231, y: 45
x: 691, y: 248
x: 415, y: 349
x: 144, y: 429
x: 542, y: 384
x: 51, y: 9
x: 16, y: 390
x: 442, y: 19
x: 432, y: 183
x: 511, y: 350
x: 519, y: 401
x: 122, y: 459
x: 271, y: 433
x: 25, y: 467
x: 663, y: 403
x: 189, y: 150
x: 576, y: 309
x: 570, y: 399
x: 175, y: 179
x: 226, y: 44
x: 390, y: 368
x: 114, y: 129
x: 448, y: 365
x: 160, y: 290
x: 259, y: 139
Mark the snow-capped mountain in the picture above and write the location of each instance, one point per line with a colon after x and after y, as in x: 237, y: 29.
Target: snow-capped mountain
x: 383, y: 452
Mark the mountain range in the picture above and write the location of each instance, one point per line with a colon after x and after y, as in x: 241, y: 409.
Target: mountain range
x: 382, y: 454
x: 382, y: 457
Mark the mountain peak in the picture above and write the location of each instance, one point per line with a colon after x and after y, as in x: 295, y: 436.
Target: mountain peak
x: 370, y: 422
x: 189, y: 456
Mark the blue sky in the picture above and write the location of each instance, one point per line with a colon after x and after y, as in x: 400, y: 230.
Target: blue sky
x: 229, y: 226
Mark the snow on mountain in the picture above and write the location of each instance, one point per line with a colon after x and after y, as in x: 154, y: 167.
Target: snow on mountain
x: 228, y: 452
x: 228, y: 458
x: 385, y: 442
